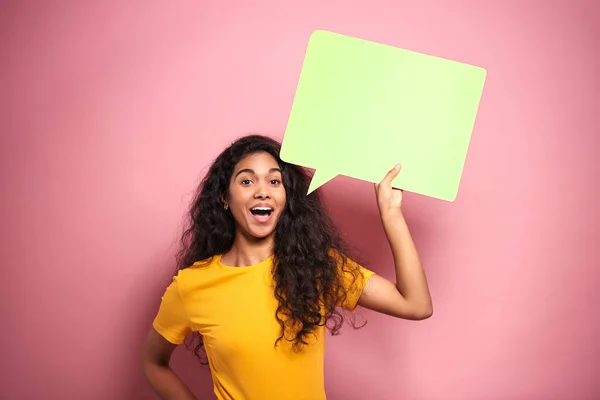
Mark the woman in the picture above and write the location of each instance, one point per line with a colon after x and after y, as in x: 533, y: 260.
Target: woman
x: 263, y: 273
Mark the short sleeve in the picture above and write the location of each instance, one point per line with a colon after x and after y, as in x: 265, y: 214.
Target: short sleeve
x: 172, y: 320
x: 354, y: 278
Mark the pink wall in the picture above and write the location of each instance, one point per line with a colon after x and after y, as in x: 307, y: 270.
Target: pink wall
x: 112, y: 111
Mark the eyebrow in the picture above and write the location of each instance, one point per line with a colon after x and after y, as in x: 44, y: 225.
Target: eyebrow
x: 251, y: 171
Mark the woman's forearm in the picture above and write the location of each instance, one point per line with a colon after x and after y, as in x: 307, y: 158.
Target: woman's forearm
x: 410, y: 276
x: 166, y: 383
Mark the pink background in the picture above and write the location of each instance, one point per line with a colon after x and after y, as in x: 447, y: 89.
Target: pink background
x: 111, y: 112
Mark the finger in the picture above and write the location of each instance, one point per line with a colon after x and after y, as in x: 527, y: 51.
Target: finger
x: 393, y: 173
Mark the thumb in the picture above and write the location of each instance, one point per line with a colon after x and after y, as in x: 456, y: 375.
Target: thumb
x: 392, y: 173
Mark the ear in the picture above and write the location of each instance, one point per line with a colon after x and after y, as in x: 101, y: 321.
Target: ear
x: 225, y: 203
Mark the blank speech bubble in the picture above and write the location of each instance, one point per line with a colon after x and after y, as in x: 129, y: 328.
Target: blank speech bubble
x: 361, y: 107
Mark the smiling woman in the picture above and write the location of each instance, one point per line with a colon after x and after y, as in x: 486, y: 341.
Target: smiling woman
x: 262, y: 275
x: 256, y: 195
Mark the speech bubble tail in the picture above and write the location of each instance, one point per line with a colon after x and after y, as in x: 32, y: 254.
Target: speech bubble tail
x: 318, y: 180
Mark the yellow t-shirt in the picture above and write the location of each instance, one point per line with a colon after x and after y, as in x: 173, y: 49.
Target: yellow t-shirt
x: 233, y: 308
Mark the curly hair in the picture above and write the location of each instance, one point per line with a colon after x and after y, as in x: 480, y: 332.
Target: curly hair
x: 307, y: 252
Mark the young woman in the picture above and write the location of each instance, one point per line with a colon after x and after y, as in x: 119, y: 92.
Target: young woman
x: 263, y: 273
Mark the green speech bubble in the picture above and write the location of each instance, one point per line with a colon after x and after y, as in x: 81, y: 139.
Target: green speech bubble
x: 361, y: 107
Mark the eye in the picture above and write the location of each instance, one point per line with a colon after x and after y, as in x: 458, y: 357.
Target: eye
x: 275, y: 182
x: 246, y: 182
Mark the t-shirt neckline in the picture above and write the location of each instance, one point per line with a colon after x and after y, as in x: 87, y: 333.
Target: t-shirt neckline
x: 266, y: 261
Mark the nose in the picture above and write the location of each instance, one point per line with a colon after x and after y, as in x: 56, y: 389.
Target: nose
x: 261, y: 192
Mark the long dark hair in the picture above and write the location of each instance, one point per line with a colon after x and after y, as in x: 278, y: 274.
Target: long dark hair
x: 308, y: 285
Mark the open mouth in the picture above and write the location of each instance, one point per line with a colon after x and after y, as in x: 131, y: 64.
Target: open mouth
x: 261, y: 211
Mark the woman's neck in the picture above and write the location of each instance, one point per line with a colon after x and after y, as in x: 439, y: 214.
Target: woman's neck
x: 246, y: 252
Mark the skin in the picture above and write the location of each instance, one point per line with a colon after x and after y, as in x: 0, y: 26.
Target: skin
x: 257, y: 181
x: 409, y: 297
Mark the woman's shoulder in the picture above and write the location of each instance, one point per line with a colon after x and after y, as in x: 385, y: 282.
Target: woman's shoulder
x: 204, y: 264
x: 189, y: 277
x: 196, y: 268
x: 344, y: 259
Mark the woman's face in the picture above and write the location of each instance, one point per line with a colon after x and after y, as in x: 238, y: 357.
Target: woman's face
x: 256, y: 195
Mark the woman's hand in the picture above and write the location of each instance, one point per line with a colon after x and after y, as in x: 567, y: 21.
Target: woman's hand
x: 409, y: 297
x: 388, y: 198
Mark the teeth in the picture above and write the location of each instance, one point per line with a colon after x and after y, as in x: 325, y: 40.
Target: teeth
x: 262, y: 209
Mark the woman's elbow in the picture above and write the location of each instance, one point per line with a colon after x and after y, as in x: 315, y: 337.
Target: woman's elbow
x: 145, y: 365
x: 424, y: 314
x: 421, y: 313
